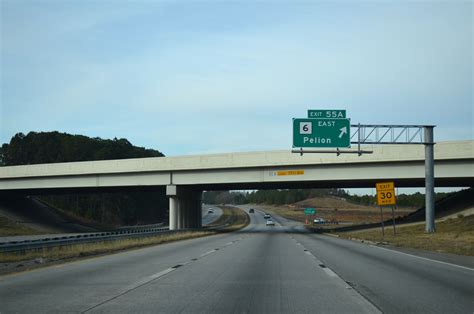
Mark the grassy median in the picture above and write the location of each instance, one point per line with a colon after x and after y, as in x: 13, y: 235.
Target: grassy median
x: 232, y: 219
x: 454, y: 235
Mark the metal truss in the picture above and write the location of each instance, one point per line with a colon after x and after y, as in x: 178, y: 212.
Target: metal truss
x: 388, y: 134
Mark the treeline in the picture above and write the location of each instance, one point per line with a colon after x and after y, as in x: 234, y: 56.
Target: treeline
x: 282, y: 197
x: 403, y: 200
x: 52, y: 147
x: 276, y: 197
x: 111, y: 209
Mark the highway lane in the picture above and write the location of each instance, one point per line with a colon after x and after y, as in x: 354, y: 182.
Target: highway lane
x: 260, y: 269
x: 209, y: 218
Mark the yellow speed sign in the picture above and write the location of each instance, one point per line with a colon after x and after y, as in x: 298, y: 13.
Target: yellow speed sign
x: 385, y: 193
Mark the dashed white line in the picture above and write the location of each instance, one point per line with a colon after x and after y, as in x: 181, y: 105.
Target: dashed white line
x: 207, y: 253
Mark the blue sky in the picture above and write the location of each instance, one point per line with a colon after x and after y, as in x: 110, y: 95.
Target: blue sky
x: 192, y: 77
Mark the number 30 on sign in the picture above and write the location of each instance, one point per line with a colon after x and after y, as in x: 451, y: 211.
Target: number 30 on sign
x: 385, y: 193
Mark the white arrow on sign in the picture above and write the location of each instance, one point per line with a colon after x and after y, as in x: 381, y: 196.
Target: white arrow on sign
x: 343, y: 131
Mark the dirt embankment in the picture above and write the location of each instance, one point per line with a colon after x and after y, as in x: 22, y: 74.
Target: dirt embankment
x: 336, y: 210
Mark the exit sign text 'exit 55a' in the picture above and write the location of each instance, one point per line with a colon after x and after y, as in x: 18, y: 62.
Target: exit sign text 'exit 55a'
x: 326, y: 113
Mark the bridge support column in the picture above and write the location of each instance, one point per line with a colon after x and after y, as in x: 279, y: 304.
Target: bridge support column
x: 429, y: 181
x: 185, y: 207
x: 173, y: 223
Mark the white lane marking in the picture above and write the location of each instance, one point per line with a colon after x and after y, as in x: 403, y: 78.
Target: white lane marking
x: 310, y: 254
x: 424, y: 258
x: 207, y: 253
x: 326, y: 269
x: 330, y: 272
x: 146, y: 280
x: 161, y: 273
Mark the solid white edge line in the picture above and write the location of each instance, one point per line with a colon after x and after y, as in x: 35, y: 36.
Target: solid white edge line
x: 424, y: 258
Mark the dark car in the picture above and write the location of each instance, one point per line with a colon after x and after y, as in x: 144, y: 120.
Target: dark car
x: 251, y: 211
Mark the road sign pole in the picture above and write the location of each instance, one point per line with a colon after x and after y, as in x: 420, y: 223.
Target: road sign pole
x: 393, y: 220
x: 429, y: 180
x: 381, y: 220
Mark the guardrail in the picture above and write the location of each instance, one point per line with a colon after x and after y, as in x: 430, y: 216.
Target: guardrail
x: 18, y: 246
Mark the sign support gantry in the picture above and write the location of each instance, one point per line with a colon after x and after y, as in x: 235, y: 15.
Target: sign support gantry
x: 331, y: 131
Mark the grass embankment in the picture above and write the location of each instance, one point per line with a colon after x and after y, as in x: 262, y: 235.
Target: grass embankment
x: 454, y: 235
x: 88, y: 249
x: 12, y: 228
x: 232, y: 219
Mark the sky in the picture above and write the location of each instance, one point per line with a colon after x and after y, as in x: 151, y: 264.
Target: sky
x: 198, y: 77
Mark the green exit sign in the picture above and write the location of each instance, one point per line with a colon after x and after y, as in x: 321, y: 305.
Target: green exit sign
x: 327, y: 114
x: 309, y: 211
x: 321, y: 132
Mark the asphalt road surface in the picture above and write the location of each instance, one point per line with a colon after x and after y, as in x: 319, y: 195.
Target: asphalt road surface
x: 207, y: 217
x: 279, y: 269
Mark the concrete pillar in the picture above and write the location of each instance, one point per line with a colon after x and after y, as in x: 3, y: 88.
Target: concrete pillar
x: 185, y: 207
x: 173, y: 213
x: 429, y: 181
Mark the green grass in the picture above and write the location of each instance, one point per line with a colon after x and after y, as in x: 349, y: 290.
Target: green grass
x: 454, y: 235
x: 11, y: 228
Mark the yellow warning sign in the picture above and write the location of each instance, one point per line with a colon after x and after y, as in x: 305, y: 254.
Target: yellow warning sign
x: 286, y: 173
x: 385, y: 193
x: 290, y: 173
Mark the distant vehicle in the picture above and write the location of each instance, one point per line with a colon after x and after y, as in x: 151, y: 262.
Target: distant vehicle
x: 270, y: 222
x: 251, y: 211
x: 319, y: 221
x: 210, y: 211
x: 267, y: 216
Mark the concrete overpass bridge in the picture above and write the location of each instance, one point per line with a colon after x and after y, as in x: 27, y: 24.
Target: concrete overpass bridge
x: 186, y: 177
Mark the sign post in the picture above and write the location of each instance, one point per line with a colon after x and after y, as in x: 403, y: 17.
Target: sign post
x: 386, y: 196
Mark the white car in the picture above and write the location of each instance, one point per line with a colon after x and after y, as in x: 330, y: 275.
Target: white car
x: 270, y: 222
x: 319, y: 221
x: 267, y: 216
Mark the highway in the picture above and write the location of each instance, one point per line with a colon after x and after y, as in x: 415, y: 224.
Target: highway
x: 280, y: 269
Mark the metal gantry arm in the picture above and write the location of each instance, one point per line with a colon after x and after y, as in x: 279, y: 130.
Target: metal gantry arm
x: 388, y: 134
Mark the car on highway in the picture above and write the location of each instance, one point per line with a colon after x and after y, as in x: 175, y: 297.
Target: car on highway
x: 267, y: 216
x: 210, y: 211
x: 319, y: 221
x: 251, y: 211
x: 270, y: 222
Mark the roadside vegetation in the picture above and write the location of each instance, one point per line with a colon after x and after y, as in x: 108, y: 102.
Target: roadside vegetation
x: 73, y: 251
x: 11, y: 228
x: 453, y: 235
x: 232, y: 219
